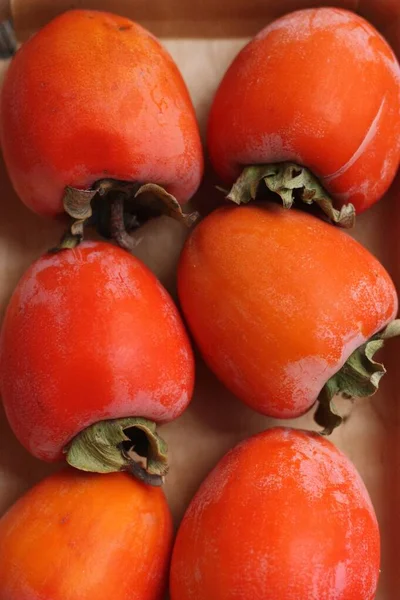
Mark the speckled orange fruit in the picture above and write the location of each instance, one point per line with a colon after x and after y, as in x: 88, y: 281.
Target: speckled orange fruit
x: 86, y: 536
x: 277, y: 301
x: 90, y: 334
x: 285, y: 516
x: 319, y: 87
x: 95, y: 96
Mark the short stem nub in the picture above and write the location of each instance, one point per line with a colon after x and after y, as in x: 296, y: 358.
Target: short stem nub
x: 117, y: 223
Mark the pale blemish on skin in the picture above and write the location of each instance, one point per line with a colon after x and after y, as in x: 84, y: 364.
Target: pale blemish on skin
x: 304, y: 378
x: 349, y: 29
x: 301, y: 381
x: 369, y: 135
x: 149, y: 403
x: 301, y: 24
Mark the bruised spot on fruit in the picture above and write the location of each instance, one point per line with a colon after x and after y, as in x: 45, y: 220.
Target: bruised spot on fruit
x: 65, y: 519
x: 124, y: 27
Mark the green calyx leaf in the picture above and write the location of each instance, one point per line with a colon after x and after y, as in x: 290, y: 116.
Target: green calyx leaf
x: 131, y: 444
x: 290, y: 182
x: 358, y: 378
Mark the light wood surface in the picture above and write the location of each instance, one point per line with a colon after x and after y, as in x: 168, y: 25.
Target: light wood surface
x: 215, y: 421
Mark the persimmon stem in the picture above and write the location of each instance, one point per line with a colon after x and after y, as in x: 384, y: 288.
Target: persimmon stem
x: 140, y: 473
x: 117, y: 208
x: 67, y: 242
x: 117, y: 223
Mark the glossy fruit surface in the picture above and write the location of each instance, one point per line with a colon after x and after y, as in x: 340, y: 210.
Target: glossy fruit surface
x: 283, y: 515
x: 92, y: 537
x: 277, y: 301
x: 95, y: 96
x: 318, y: 87
x: 90, y: 334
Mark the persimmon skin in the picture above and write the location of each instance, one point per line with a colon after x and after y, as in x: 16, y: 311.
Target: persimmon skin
x: 86, y: 536
x: 90, y: 334
x: 277, y: 300
x: 283, y: 515
x: 95, y: 96
x: 319, y: 87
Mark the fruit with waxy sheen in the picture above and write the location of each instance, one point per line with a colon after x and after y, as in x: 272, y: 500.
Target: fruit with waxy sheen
x: 86, y: 536
x: 93, y: 102
x: 93, y: 353
x: 317, y: 91
x: 286, y: 308
x: 284, y: 515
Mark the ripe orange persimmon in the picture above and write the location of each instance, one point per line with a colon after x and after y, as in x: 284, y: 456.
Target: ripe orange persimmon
x: 283, y: 516
x: 318, y: 88
x: 86, y: 536
x: 92, y: 97
x: 282, y: 305
x: 92, y: 353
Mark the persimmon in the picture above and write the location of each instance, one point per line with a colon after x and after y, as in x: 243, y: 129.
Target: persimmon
x: 93, y: 353
x: 310, y: 108
x: 93, y: 103
x: 284, y: 515
x: 286, y: 308
x: 87, y: 536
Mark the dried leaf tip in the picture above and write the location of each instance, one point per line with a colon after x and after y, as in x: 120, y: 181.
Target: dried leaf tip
x: 358, y: 378
x: 290, y: 182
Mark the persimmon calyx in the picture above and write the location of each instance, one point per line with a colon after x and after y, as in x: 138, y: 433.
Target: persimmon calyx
x: 131, y: 444
x: 358, y: 378
x: 291, y: 182
x: 140, y: 203
x: 149, y: 201
x: 78, y: 205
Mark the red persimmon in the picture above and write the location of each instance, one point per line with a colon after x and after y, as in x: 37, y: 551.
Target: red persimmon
x: 94, y: 97
x: 284, y: 308
x: 93, y: 351
x: 318, y: 89
x: 284, y: 515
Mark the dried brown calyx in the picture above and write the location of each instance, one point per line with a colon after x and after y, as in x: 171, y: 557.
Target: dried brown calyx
x: 116, y: 209
x: 131, y: 444
x: 293, y: 184
x: 358, y: 378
